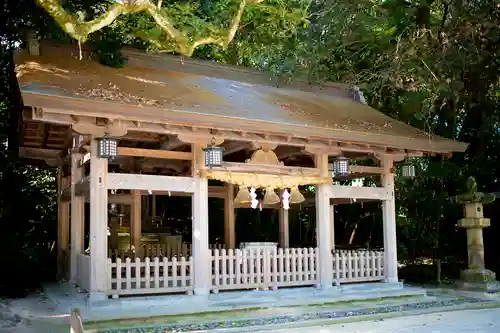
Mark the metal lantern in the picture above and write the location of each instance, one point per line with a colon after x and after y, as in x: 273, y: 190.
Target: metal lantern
x: 213, y: 155
x: 408, y: 169
x: 341, y: 166
x: 107, y: 147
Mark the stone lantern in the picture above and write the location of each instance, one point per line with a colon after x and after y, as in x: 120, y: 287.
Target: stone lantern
x: 476, y: 276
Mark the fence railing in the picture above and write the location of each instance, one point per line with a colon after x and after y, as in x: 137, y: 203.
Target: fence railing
x: 169, y: 275
x: 241, y: 269
x: 158, y: 250
x: 358, y: 266
x: 264, y: 269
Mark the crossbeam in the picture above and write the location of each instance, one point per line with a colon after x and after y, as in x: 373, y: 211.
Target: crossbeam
x: 123, y: 181
x: 154, y: 153
x: 361, y: 192
x: 280, y: 170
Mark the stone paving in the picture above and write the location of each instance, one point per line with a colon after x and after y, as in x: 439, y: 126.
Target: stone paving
x: 39, y: 314
x: 470, y: 321
x: 307, y: 317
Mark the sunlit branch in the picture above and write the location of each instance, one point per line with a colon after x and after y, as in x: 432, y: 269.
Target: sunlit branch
x: 80, y: 30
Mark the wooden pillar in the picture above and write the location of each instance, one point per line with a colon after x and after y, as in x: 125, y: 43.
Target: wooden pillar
x: 389, y: 221
x: 153, y: 206
x: 284, y: 239
x: 135, y: 223
x: 62, y: 227
x: 114, y: 225
x: 98, y: 224
x: 229, y: 218
x: 332, y: 226
x: 77, y: 216
x: 200, y: 251
x: 323, y: 225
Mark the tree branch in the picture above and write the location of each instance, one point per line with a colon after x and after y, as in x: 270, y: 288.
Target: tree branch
x: 80, y: 30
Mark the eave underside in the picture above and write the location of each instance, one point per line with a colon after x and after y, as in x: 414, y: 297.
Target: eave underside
x: 48, y: 135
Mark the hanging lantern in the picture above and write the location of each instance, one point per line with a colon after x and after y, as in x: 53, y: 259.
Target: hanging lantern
x: 296, y: 196
x: 107, y: 147
x: 270, y: 198
x: 243, y: 196
x: 213, y: 155
x: 408, y: 169
x: 286, y: 199
x: 341, y: 166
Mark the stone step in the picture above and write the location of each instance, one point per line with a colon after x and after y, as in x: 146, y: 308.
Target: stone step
x: 260, y: 319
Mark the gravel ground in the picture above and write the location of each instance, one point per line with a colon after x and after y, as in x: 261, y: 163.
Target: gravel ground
x: 38, y: 315
x: 298, y: 318
x: 471, y: 321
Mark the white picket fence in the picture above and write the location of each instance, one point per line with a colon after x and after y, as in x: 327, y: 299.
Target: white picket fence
x: 358, y: 266
x: 158, y: 250
x: 241, y: 269
x: 148, y: 276
x: 244, y: 269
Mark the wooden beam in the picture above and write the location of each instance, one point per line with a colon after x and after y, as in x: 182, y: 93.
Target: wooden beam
x: 62, y: 227
x: 269, y: 169
x: 136, y: 221
x: 171, y: 143
x: 288, y: 151
x: 40, y: 153
x: 153, y: 153
x: 77, y: 215
x: 361, y: 169
x: 176, y: 165
x: 117, y: 181
x: 165, y: 143
x: 217, y: 192
x: 82, y: 187
x: 121, y: 198
x: 289, y: 136
x: 359, y: 192
x: 235, y: 146
x: 229, y: 217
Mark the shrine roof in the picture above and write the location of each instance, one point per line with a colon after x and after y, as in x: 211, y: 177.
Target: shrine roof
x: 192, y: 92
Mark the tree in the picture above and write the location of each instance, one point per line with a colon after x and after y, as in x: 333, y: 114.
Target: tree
x: 191, y: 30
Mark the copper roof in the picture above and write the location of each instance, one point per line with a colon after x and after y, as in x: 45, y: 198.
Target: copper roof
x: 164, y: 84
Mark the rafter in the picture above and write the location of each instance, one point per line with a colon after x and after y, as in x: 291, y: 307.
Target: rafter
x: 283, y: 152
x: 171, y: 143
x: 61, y: 116
x: 235, y: 146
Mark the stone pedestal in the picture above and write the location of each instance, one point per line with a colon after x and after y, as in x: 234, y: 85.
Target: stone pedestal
x: 476, y: 276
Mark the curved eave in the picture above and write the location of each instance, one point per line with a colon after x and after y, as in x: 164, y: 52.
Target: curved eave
x: 114, y: 110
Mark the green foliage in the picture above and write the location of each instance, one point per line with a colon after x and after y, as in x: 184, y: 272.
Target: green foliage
x: 167, y: 26
x: 108, y: 45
